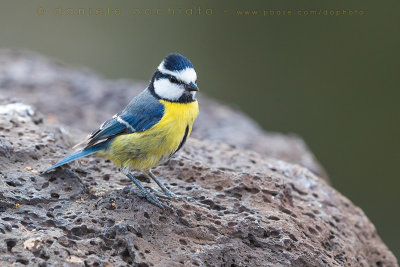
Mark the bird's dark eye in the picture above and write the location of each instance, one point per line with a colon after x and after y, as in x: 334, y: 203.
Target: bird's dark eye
x: 172, y: 79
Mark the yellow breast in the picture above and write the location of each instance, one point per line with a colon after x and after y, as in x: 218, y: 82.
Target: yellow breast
x: 145, y: 150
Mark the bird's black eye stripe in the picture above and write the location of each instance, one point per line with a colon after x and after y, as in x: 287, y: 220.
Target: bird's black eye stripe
x: 172, y: 79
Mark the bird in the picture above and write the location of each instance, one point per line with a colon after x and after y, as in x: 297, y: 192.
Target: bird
x: 151, y: 128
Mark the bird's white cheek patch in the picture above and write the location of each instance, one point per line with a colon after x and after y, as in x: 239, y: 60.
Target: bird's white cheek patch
x: 167, y: 90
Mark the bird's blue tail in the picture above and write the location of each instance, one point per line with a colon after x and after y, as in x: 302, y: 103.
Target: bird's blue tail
x: 78, y: 154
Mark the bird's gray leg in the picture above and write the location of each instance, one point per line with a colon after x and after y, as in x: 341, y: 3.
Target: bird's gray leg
x: 166, y: 190
x: 150, y: 198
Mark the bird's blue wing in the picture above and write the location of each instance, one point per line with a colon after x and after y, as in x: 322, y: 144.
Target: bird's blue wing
x: 141, y: 113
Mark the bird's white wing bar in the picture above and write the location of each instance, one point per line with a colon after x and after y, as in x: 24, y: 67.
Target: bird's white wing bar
x: 122, y: 121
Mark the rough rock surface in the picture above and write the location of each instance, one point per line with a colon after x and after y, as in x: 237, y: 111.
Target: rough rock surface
x: 249, y: 207
x: 43, y: 82
x: 247, y: 210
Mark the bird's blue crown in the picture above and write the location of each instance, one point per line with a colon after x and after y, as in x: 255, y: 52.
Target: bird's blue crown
x: 177, y: 62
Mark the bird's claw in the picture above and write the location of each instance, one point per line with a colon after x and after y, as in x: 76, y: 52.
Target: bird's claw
x: 152, y: 199
x: 170, y: 195
x: 128, y: 189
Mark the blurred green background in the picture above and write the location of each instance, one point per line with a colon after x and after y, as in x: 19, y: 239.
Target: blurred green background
x: 331, y: 79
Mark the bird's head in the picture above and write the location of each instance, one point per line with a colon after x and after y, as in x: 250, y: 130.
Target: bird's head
x: 175, y: 80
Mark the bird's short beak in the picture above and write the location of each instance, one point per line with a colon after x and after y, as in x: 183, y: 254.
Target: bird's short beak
x: 191, y: 87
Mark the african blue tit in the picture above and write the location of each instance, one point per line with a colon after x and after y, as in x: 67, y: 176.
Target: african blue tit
x: 151, y: 128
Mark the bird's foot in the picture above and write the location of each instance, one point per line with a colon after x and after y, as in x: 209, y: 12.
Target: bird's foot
x: 156, y: 201
x: 170, y: 195
x: 128, y: 189
x: 150, y: 198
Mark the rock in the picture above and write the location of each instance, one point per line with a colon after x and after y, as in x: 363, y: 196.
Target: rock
x: 33, y: 244
x: 43, y: 83
x: 247, y: 209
